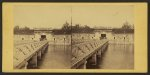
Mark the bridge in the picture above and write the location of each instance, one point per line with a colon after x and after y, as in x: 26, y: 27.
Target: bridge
x: 87, y: 53
x: 103, y: 30
x: 28, y: 55
x: 49, y: 30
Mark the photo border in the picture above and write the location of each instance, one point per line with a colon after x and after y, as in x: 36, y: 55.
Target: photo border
x: 78, y: 72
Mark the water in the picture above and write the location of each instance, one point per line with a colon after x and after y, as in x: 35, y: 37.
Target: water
x: 118, y: 57
x: 57, y: 57
x: 120, y: 53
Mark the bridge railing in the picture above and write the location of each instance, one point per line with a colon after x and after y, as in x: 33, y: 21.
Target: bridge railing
x: 82, y: 50
x: 23, y: 52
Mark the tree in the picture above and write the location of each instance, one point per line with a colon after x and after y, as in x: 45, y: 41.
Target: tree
x: 16, y: 28
x: 66, y: 28
x: 126, y: 25
x: 25, y: 30
x: 77, y: 26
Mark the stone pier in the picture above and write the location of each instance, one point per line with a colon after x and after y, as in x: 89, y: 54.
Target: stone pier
x: 99, y: 53
x: 83, y: 66
x: 92, y: 60
x: 39, y: 55
x: 25, y: 66
x: 32, y: 63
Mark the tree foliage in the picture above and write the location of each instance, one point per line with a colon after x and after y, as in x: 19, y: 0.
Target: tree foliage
x: 126, y: 28
x: 126, y: 25
x: 68, y: 29
x: 24, y: 30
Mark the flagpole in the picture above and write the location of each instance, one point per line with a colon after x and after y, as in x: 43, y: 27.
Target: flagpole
x: 71, y: 30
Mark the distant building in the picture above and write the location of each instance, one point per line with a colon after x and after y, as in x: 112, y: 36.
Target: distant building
x: 46, y: 32
x: 42, y: 30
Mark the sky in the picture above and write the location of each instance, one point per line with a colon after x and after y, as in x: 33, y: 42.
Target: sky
x: 47, y: 16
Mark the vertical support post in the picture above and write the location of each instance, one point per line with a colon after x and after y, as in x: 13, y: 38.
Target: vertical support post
x: 42, y: 51
x: 99, y: 53
x: 39, y: 56
x: 92, y: 60
x: 64, y: 45
x: 102, y: 49
x: 33, y: 61
x: 25, y: 66
x: 46, y: 49
x: 54, y: 44
x: 83, y: 66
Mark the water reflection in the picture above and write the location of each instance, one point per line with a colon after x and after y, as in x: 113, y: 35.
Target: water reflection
x: 56, y: 58
x: 118, y: 57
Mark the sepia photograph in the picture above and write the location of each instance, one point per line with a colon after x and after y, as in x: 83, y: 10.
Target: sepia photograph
x: 74, y: 36
x: 80, y: 37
